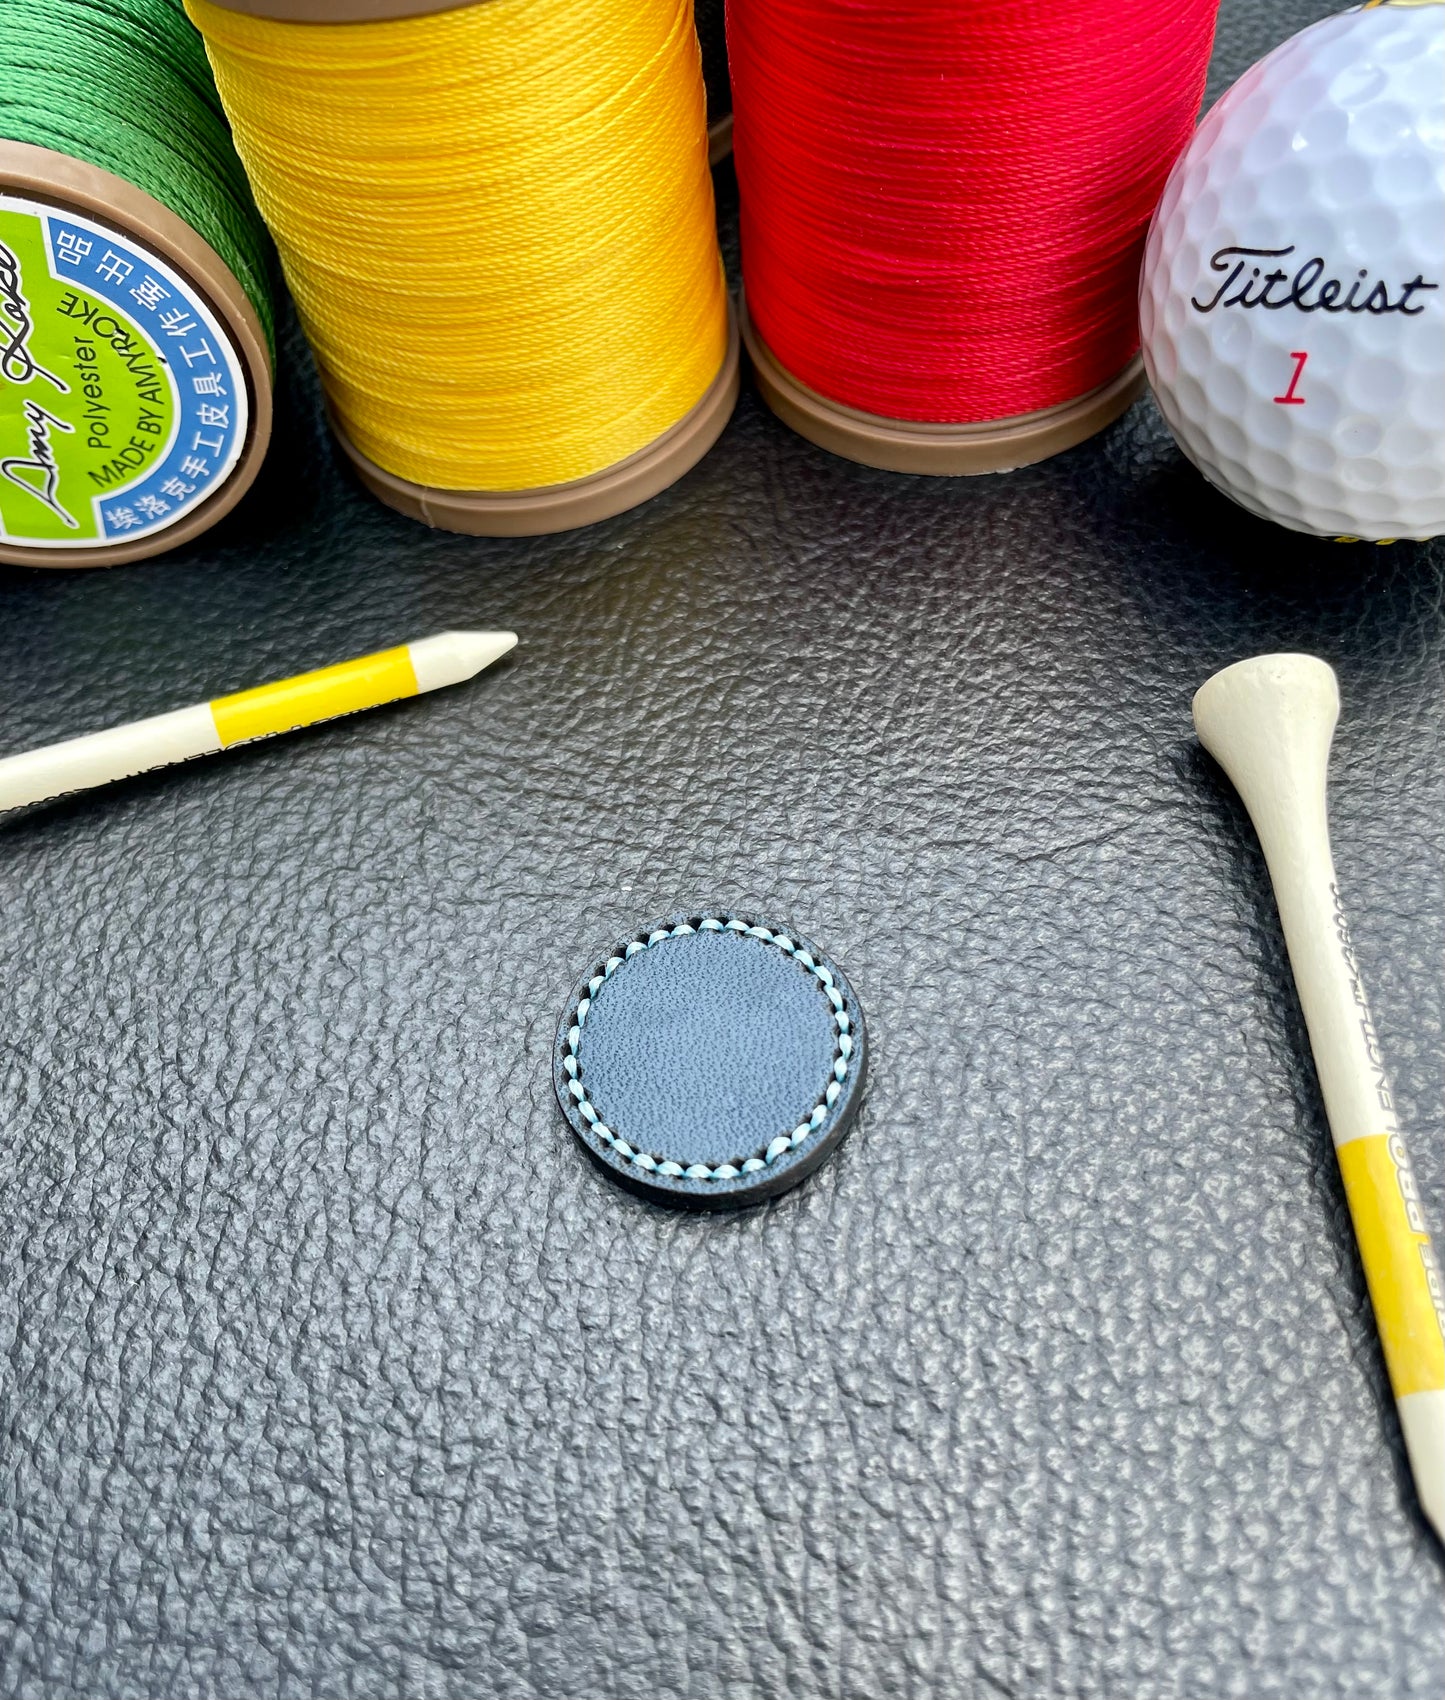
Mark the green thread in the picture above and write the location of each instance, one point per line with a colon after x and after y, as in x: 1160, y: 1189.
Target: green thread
x: 125, y: 85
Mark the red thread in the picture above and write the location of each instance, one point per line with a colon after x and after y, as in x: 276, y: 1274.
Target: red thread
x: 944, y: 203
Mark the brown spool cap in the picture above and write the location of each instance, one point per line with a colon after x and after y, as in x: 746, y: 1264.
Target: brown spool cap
x: 580, y: 501
x: 72, y: 185
x: 905, y: 445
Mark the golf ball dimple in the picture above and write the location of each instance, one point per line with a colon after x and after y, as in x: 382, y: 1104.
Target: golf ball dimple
x: 1292, y: 305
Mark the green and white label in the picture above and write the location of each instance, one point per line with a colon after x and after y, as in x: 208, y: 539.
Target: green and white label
x: 123, y: 401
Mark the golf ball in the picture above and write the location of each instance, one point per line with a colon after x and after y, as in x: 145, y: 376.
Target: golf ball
x: 1291, y: 307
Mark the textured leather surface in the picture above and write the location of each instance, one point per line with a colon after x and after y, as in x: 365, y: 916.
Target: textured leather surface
x: 711, y: 1059
x: 327, y: 1366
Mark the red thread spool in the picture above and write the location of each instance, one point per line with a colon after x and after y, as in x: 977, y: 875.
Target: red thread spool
x: 943, y: 214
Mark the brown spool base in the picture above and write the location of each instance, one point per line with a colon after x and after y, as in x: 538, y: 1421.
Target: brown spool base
x: 72, y: 185
x: 581, y: 501
x: 901, y: 445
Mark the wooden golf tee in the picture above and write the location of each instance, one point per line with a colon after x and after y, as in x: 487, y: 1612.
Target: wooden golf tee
x: 1268, y: 722
x: 206, y: 728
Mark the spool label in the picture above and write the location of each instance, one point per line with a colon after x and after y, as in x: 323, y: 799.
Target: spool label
x: 123, y: 401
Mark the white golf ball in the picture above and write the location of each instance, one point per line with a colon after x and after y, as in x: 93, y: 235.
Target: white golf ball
x: 1292, y: 309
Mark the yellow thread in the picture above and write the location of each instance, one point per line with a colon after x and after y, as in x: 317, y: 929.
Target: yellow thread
x: 497, y: 223
x: 1399, y: 1263
x: 309, y: 697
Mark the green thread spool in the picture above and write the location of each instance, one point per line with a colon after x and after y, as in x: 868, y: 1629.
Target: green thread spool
x: 136, y: 317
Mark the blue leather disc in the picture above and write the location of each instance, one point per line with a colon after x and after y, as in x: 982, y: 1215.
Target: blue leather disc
x: 711, y: 1059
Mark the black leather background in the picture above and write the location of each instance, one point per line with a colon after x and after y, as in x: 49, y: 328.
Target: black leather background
x: 330, y: 1365
x: 712, y: 36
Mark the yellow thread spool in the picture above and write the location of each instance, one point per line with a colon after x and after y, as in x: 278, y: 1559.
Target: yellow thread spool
x: 497, y: 221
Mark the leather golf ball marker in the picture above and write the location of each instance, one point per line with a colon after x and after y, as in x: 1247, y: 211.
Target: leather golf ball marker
x: 711, y: 1059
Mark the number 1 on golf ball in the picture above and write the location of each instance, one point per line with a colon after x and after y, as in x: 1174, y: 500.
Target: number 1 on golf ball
x: 1291, y: 306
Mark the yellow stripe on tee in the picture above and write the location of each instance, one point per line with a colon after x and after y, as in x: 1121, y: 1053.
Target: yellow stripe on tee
x: 309, y: 697
x: 1399, y: 1261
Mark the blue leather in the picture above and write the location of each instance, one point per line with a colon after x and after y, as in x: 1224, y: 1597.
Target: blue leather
x: 709, y: 1048
x: 736, y: 1057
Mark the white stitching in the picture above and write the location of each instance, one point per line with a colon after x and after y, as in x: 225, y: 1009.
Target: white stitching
x: 775, y: 1148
